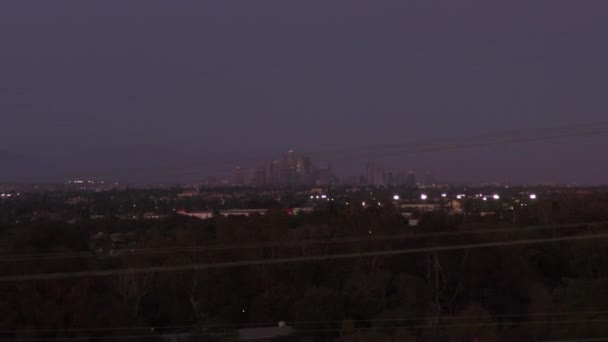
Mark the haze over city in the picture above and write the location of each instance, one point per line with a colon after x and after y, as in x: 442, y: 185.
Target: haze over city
x: 88, y: 88
x: 304, y: 171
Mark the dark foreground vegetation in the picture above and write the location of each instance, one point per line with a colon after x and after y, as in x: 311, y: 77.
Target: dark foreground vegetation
x: 530, y: 292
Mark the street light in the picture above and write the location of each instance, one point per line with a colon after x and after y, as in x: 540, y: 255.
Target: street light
x: 496, y: 197
x: 396, y: 197
x: 532, y: 196
x: 423, y: 197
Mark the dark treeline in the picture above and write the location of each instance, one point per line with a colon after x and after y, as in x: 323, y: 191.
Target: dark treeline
x: 534, y: 292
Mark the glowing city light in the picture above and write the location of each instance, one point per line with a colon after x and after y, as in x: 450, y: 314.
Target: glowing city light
x: 532, y: 196
x: 396, y: 197
x: 363, y: 204
x: 423, y: 197
x: 496, y: 197
x: 444, y: 195
x: 485, y: 198
x: 323, y: 196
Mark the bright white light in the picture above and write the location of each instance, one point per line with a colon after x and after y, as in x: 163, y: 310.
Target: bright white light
x: 379, y: 204
x: 363, y: 203
x: 423, y: 197
x: 485, y: 198
x: 458, y: 196
x: 532, y: 196
x: 496, y: 197
x: 318, y: 197
x: 444, y: 195
x: 323, y: 196
x: 312, y: 197
x: 396, y: 197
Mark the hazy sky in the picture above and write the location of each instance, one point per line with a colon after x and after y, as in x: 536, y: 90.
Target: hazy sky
x: 268, y: 75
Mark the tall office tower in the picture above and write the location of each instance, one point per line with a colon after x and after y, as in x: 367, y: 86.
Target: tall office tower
x: 275, y: 172
x: 325, y: 176
x: 260, y: 175
x: 429, y: 180
x: 390, y: 179
x: 379, y: 177
x: 239, y: 177
x: 370, y: 169
x: 288, y: 168
x: 303, y: 171
x: 410, y: 181
x: 292, y: 158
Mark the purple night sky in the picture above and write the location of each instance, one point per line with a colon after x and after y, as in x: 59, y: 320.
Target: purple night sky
x: 168, y: 80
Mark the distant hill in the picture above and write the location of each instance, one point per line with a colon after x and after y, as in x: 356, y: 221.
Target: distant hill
x: 18, y: 168
x: 148, y: 163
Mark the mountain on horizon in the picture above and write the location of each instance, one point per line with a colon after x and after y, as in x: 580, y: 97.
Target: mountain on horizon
x: 19, y: 168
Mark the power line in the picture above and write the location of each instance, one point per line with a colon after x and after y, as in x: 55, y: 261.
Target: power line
x: 370, y: 238
x: 232, y: 264
x: 355, y: 329
x: 304, y: 323
x: 580, y: 340
x: 385, y: 150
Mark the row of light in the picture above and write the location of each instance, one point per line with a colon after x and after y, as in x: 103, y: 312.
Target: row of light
x: 495, y: 196
x: 424, y: 197
x: 9, y: 195
x: 322, y: 197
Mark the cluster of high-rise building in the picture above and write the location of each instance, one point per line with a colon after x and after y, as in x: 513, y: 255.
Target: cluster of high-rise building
x: 294, y: 169
x: 290, y: 169
x: 378, y: 176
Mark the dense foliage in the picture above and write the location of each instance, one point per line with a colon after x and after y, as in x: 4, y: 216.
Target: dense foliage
x: 530, y: 292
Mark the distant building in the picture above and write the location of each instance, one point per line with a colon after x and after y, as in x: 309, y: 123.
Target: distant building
x: 260, y: 175
x: 188, y: 193
x: 429, y: 180
x: 289, y: 171
x: 239, y: 177
x: 370, y: 169
x: 379, y: 177
x: 275, y: 172
x: 203, y: 215
x: 324, y: 175
x: 374, y: 175
x: 390, y: 179
x: 303, y: 171
x: 291, y: 158
x: 265, y: 333
x: 210, y: 181
x: 410, y: 180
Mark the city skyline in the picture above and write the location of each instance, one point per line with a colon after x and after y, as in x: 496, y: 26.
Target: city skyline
x: 209, y: 79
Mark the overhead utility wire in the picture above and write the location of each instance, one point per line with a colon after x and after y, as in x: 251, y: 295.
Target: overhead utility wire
x: 233, y: 264
x: 371, y: 238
